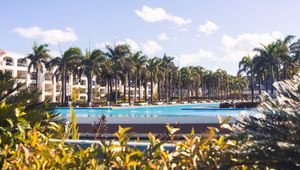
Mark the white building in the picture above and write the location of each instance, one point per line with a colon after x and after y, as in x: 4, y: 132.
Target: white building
x: 51, y: 89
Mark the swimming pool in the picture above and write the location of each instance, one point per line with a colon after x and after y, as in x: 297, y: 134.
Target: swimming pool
x: 187, y: 110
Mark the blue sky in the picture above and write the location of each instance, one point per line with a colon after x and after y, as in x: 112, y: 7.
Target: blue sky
x: 214, y: 34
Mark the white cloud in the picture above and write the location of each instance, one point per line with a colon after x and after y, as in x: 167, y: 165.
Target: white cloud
x: 163, y: 36
x: 151, y: 47
x: 50, y: 36
x: 103, y: 45
x: 202, y: 58
x: 133, y: 45
x: 208, y: 28
x: 235, y: 48
x: 183, y: 30
x: 153, y: 15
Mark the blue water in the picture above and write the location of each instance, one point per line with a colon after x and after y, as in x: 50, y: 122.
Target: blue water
x: 210, y: 109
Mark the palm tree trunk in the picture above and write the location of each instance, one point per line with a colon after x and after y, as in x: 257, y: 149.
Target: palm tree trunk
x: 129, y: 84
x: 197, y: 95
x: 259, y: 85
x: 151, y: 88
x: 188, y: 92
x: 108, y: 92
x: 252, y: 88
x: 169, y: 88
x: 158, y: 90
x: 111, y: 89
x: 135, y: 87
x: 145, y: 92
x: 139, y: 84
x: 116, y: 89
x: 63, y: 81
x: 89, y: 78
x: 124, y: 89
x: 165, y: 89
x: 36, y: 77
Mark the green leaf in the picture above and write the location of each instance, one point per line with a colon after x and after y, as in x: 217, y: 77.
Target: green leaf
x: 10, y: 122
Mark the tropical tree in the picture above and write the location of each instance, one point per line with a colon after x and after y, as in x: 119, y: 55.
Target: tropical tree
x: 38, y: 58
x: 139, y: 61
x: 168, y: 66
x: 91, y: 65
x: 153, y: 65
x: 246, y: 65
x: 187, y: 77
x: 64, y: 66
x: 116, y: 55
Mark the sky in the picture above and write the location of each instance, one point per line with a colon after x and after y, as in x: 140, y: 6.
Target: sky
x: 213, y: 34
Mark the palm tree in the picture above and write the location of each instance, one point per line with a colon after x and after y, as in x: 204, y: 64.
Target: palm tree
x: 91, y: 65
x: 199, y: 72
x: 246, y: 65
x: 168, y: 65
x: 269, y: 53
x: 64, y: 66
x: 127, y: 69
x: 139, y: 62
x: 38, y: 59
x: 187, y: 76
x: 153, y: 67
x: 115, y: 54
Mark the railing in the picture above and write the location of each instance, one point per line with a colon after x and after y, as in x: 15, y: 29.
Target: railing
x: 9, y: 64
x: 22, y: 64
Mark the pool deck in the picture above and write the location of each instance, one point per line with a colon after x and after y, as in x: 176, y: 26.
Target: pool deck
x: 156, y: 125
x: 152, y: 120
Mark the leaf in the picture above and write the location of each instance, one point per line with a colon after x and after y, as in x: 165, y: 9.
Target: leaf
x: 10, y: 122
x: 3, y: 104
x: 193, y: 131
x: 133, y: 163
x: 221, y: 140
x: 35, y: 138
x: 226, y: 126
x: 19, y: 113
x: 219, y: 119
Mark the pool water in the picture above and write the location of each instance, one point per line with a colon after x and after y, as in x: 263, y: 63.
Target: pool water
x: 211, y: 109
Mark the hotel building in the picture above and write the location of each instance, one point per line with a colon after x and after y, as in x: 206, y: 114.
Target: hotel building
x: 51, y: 89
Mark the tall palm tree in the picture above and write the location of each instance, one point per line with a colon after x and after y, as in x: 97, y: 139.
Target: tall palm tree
x: 187, y: 76
x: 269, y: 53
x: 246, y: 65
x: 91, y: 65
x: 115, y: 54
x: 139, y: 62
x: 64, y: 66
x: 153, y: 67
x: 127, y: 70
x: 168, y: 65
x: 38, y: 58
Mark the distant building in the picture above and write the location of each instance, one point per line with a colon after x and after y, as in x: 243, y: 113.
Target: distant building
x: 12, y: 62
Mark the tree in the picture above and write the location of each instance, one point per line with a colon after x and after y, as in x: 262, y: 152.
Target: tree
x: 168, y: 65
x: 38, y: 58
x: 187, y: 77
x: 246, y: 65
x: 271, y: 138
x: 139, y: 62
x: 153, y: 67
x: 92, y: 65
x: 115, y: 54
x: 64, y: 66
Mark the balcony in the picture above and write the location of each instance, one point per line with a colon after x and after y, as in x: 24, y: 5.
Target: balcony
x: 21, y: 75
x: 22, y: 63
